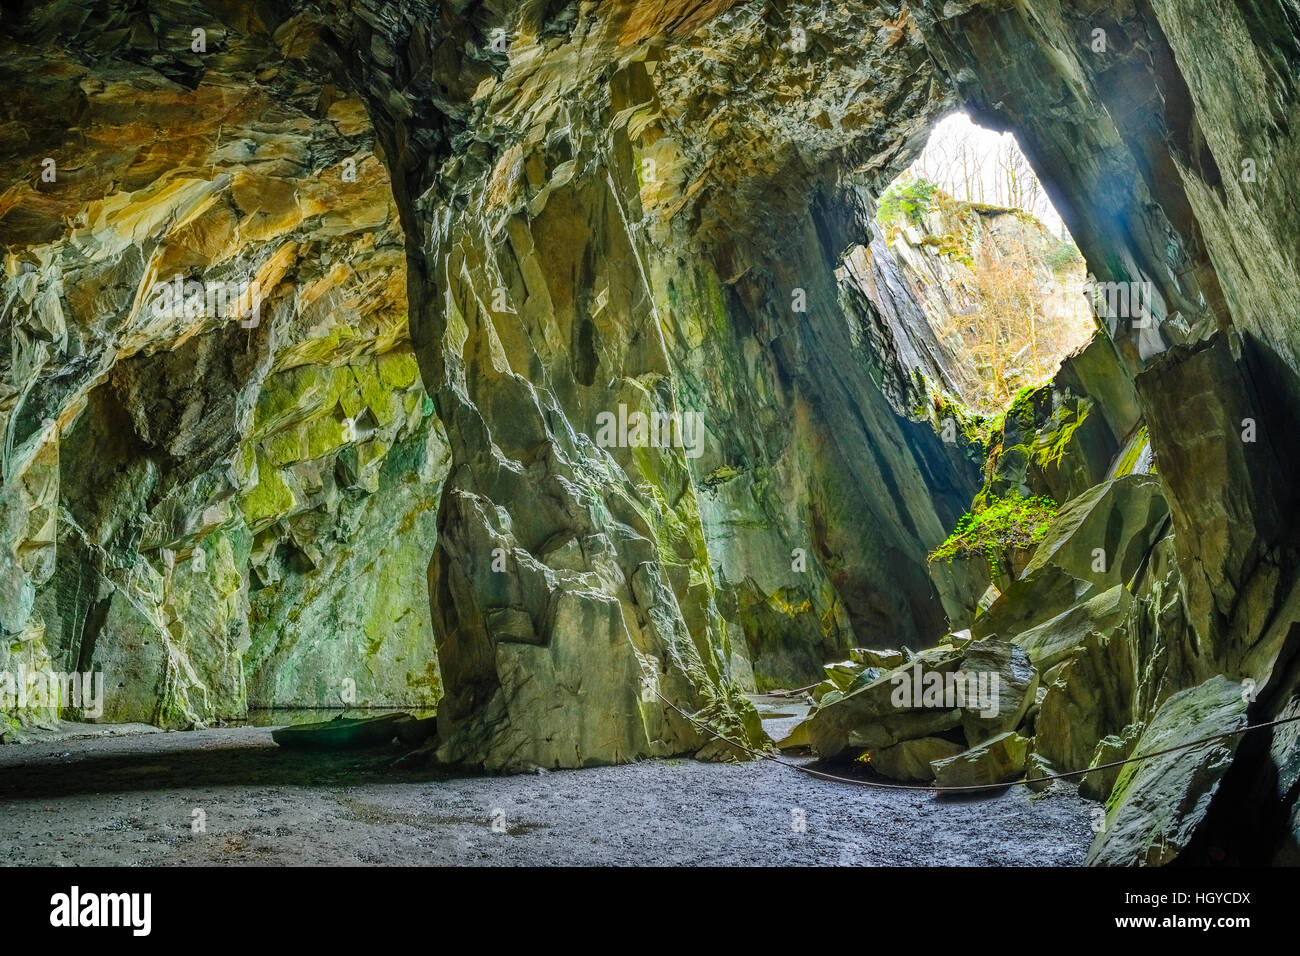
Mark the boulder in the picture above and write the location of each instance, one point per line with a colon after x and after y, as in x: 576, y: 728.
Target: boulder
x: 1096, y: 541
x: 881, y: 713
x: 1157, y: 804
x: 998, y: 760
x: 1060, y: 638
x: 1097, y: 784
x: 1003, y: 672
x: 867, y: 675
x: 1089, y: 695
x: 883, y: 659
x: 1038, y: 767
x: 736, y: 718
x: 911, y: 760
x: 796, y: 739
x: 843, y: 673
x: 905, y: 725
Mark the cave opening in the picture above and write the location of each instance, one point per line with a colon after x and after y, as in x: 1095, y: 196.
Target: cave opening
x: 374, y: 498
x: 1000, y: 279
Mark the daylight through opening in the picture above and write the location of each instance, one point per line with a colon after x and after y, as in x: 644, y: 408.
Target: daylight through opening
x: 998, y: 275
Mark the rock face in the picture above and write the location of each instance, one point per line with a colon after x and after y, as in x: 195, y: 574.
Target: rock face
x: 493, y: 245
x: 225, y: 497
x: 1156, y: 805
x: 581, y: 258
x: 553, y: 181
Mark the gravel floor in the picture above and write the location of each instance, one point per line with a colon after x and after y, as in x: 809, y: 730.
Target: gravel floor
x: 132, y: 801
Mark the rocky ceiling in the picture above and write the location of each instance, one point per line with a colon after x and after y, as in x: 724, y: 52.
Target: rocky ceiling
x: 557, y: 210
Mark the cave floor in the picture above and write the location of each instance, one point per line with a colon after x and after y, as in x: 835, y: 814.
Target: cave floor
x: 131, y: 800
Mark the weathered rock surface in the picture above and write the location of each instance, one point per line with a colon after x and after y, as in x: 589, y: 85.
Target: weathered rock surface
x: 1008, y: 679
x: 996, y: 760
x: 1157, y: 804
x: 1060, y: 638
x: 912, y: 760
x: 618, y: 206
x: 1099, y: 781
x: 891, y: 708
x: 216, y: 508
x: 1097, y: 541
x: 1089, y: 696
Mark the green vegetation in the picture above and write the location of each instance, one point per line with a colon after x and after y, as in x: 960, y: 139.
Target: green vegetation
x: 905, y: 201
x: 1010, y: 522
x: 979, y: 430
x: 950, y: 245
x: 974, y: 432
x: 1064, y: 255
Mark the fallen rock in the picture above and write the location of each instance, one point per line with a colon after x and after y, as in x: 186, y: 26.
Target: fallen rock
x: 735, y: 718
x: 1001, y: 671
x: 911, y: 760
x: 1157, y: 804
x: 995, y: 761
x: 1055, y: 640
x: 843, y: 673
x: 826, y: 692
x: 885, y: 660
x: 907, y: 725
x: 1038, y: 767
x: 880, y: 714
x: 1097, y: 784
x: 796, y: 739
x: 1089, y: 695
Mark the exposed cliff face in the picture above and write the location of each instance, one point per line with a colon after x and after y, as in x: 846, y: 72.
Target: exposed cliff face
x: 1006, y: 298
x: 203, y: 495
x: 605, y: 210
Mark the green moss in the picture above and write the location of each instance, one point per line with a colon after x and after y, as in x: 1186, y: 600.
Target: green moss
x: 271, y: 496
x: 976, y: 433
x: 976, y: 428
x: 1050, y: 446
x: 953, y: 246
x: 1132, y: 453
x: 1022, y: 409
x: 1010, y: 522
x: 720, y: 475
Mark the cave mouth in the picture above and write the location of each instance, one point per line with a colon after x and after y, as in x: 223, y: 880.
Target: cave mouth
x: 997, y: 273
x: 212, y: 532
